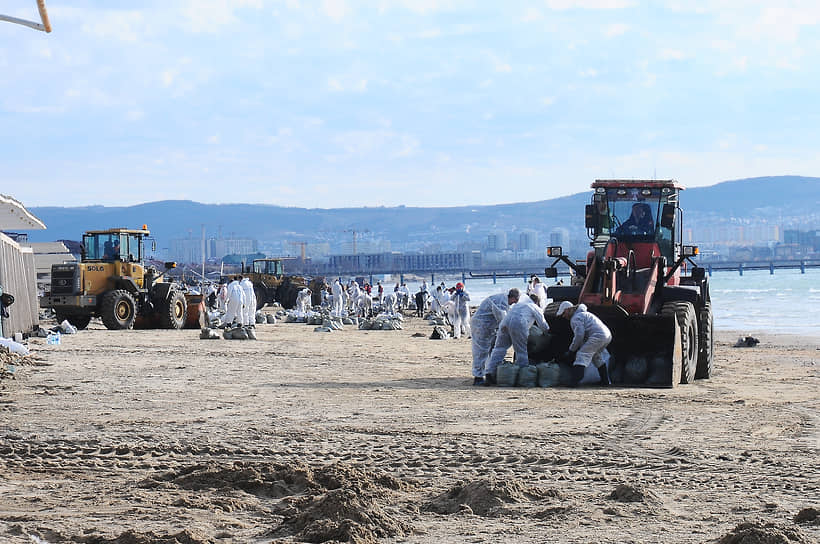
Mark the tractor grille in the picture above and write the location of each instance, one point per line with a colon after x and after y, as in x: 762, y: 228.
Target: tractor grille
x: 65, y: 279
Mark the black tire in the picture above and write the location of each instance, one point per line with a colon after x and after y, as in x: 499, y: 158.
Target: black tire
x: 707, y: 343
x: 118, y: 310
x: 286, y: 295
x: 174, y: 311
x: 551, y: 308
x: 260, y: 296
x: 684, y: 312
x: 79, y: 321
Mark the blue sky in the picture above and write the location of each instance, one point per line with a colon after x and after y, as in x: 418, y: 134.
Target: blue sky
x: 339, y: 103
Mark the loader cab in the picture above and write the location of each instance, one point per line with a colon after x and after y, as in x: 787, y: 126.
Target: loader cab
x: 114, y: 245
x: 271, y: 267
x: 634, y: 212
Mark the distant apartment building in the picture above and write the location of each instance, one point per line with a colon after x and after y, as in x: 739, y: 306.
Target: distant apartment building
x: 189, y: 250
x: 559, y: 236
x: 497, y: 240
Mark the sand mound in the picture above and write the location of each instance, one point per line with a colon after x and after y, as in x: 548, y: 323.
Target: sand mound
x: 275, y: 480
x: 484, y: 497
x: 756, y: 533
x: 808, y: 516
x: 342, y: 515
x: 630, y: 493
x: 132, y: 537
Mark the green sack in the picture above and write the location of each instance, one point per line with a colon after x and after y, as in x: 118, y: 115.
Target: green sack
x: 549, y: 374
x: 506, y: 374
x: 527, y: 376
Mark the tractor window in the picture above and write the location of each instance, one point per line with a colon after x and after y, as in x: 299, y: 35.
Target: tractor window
x: 101, y: 247
x: 633, y: 213
x: 130, y: 249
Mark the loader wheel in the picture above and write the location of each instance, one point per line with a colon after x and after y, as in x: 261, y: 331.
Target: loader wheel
x: 79, y: 321
x: 174, y: 311
x: 684, y: 312
x: 286, y: 295
x: 551, y: 309
x: 118, y: 310
x: 707, y: 343
x: 260, y: 297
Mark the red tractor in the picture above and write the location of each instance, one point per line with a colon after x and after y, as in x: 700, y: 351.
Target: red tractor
x: 661, y: 319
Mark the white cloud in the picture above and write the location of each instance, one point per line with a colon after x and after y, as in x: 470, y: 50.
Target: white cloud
x: 346, y: 84
x: 616, y: 29
x: 590, y: 4
x: 335, y: 9
x: 671, y: 54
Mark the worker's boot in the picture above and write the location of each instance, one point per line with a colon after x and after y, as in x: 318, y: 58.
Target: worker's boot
x: 604, y: 373
x: 489, y: 379
x: 478, y: 380
x: 577, y: 375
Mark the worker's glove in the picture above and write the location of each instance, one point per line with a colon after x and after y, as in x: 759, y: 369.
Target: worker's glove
x: 568, y: 357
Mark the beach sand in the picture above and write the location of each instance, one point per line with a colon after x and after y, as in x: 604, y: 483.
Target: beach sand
x: 364, y: 436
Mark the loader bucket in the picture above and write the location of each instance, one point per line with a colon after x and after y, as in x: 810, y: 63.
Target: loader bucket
x: 645, y: 349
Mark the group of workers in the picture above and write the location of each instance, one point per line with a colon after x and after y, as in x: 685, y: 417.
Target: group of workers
x: 238, y: 300
x: 504, y: 320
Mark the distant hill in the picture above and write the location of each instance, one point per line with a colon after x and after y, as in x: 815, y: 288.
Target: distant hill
x: 758, y: 198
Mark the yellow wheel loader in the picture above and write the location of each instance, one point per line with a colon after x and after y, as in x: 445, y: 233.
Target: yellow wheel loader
x: 113, y: 283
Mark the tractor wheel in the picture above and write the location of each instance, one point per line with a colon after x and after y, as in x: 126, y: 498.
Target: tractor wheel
x: 286, y: 295
x: 174, y: 311
x: 707, y: 343
x: 260, y: 297
x: 118, y: 310
x: 79, y: 321
x: 684, y: 312
x: 552, y: 308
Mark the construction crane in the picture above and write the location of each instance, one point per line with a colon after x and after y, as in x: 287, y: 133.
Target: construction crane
x: 355, y: 236
x: 44, y: 25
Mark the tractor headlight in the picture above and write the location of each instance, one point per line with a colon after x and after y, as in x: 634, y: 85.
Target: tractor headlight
x: 690, y: 251
x: 554, y: 251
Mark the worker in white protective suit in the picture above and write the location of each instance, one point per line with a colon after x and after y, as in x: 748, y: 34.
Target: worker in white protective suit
x: 436, y: 301
x: 484, y: 326
x: 234, y: 302
x: 336, y: 290
x: 303, y: 301
x: 249, y: 309
x: 461, y: 299
x: 222, y: 297
x: 355, y: 294
x: 538, y: 289
x: 514, y: 330
x: 389, y: 305
x: 590, y: 337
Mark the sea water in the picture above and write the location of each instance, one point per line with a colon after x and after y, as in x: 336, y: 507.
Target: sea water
x: 756, y: 302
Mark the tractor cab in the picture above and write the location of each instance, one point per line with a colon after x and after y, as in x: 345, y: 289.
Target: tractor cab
x: 635, y: 214
x: 271, y: 267
x: 114, y: 245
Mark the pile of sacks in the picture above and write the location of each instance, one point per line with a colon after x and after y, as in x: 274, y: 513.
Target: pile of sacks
x: 382, y: 322
x: 330, y: 324
x: 434, y: 319
x: 63, y: 328
x: 237, y: 332
x: 540, y: 375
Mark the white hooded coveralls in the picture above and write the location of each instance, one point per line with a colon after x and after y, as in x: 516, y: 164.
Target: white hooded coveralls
x: 234, y: 302
x: 590, y: 337
x: 337, y: 298
x: 514, y: 331
x: 484, y: 325
x: 249, y: 309
x: 462, y: 313
x: 303, y: 301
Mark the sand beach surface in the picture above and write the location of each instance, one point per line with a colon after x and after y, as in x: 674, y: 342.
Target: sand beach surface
x: 378, y: 436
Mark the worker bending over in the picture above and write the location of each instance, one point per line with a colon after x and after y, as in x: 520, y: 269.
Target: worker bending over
x: 484, y: 327
x: 514, y: 331
x: 590, y: 337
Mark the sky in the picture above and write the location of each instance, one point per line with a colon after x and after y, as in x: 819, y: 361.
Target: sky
x: 341, y: 103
